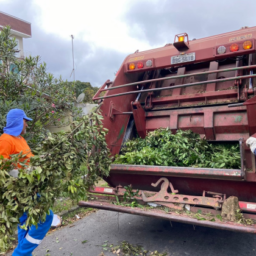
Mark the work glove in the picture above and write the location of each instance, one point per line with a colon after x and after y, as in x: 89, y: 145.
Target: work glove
x: 251, y: 142
x: 56, y: 221
x: 15, y: 172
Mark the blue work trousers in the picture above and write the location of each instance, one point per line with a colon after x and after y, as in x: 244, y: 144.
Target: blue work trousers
x: 29, y: 239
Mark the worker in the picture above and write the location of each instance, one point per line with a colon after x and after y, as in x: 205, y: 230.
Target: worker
x: 251, y: 142
x: 11, y: 142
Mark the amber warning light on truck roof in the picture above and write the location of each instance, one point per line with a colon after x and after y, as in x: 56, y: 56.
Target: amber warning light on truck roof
x: 180, y: 38
x: 181, y: 42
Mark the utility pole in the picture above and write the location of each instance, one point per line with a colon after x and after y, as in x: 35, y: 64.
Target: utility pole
x: 73, y: 70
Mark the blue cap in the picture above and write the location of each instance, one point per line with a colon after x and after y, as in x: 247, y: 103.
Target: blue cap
x: 14, y: 121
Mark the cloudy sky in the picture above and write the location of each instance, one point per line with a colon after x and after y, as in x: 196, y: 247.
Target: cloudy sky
x: 106, y: 31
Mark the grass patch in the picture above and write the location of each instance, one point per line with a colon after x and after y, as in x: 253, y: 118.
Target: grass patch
x: 102, y: 183
x: 63, y: 204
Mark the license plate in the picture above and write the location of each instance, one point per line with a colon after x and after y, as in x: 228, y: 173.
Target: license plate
x: 183, y: 58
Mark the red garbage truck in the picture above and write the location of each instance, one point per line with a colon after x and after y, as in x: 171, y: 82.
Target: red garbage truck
x: 205, y: 85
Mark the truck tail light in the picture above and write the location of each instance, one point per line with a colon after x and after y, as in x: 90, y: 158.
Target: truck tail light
x: 131, y: 66
x: 234, y: 47
x: 149, y: 63
x: 247, y: 45
x: 221, y: 49
x: 140, y: 65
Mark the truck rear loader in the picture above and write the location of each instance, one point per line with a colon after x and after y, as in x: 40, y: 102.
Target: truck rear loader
x: 205, y: 85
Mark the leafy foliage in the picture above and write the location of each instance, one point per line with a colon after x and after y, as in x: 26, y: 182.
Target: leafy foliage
x: 241, y: 219
x: 129, y: 196
x: 127, y: 249
x: 89, y: 93
x: 184, y: 148
x: 69, y: 163
x: 86, y: 88
x: 64, y: 163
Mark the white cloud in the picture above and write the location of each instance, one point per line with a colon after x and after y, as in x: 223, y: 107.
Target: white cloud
x: 99, y: 22
x: 106, y: 31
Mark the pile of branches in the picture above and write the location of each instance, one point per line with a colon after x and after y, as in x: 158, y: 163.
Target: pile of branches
x: 184, y: 148
x: 67, y: 163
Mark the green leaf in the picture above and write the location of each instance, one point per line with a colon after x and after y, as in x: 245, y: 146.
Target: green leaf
x: 219, y: 217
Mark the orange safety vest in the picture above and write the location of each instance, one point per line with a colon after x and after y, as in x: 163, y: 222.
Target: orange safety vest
x: 10, y: 145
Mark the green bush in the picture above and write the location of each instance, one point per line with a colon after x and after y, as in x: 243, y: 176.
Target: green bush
x: 64, y: 163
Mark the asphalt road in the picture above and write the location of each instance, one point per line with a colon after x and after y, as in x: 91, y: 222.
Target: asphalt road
x: 153, y: 234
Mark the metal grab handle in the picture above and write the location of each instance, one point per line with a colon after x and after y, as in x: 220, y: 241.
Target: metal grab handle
x: 181, y: 76
x: 175, y: 86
